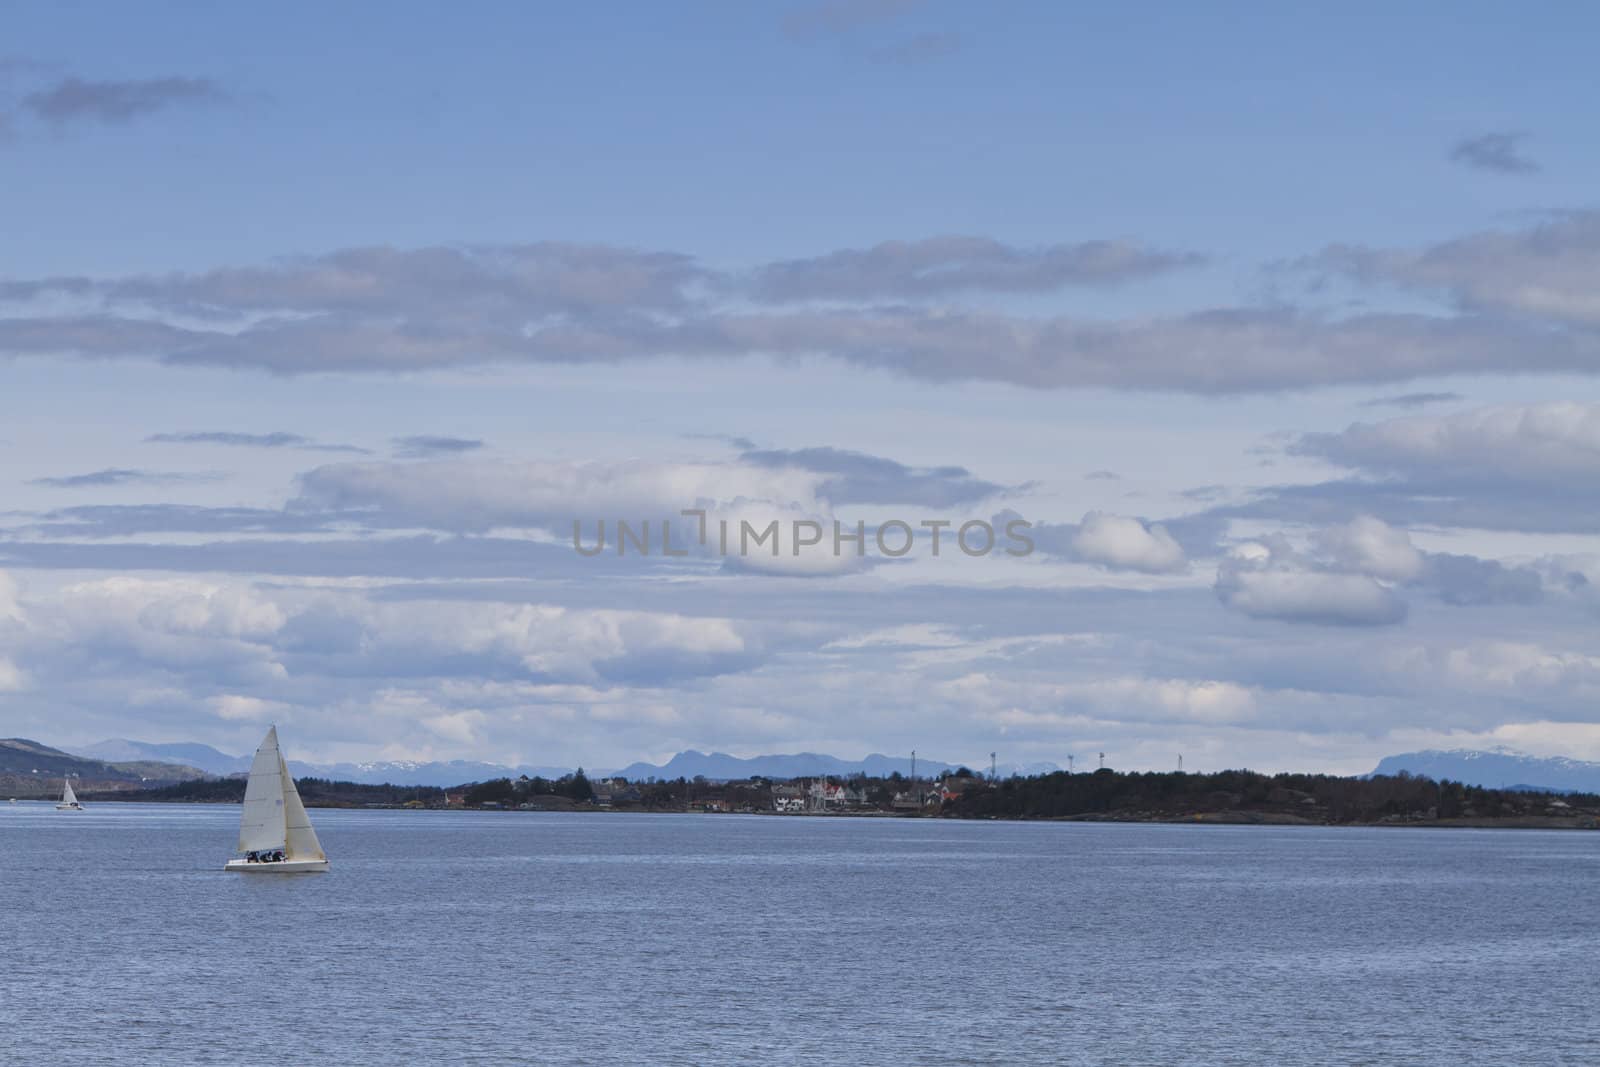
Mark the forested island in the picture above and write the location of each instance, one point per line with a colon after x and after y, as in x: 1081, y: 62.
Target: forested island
x: 1240, y: 796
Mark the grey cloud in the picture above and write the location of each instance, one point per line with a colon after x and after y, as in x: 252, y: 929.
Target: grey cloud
x: 417, y: 557
x: 743, y: 444
x: 100, y: 521
x: 1527, y: 467
x: 1412, y: 400
x: 1419, y: 503
x: 387, y: 311
x: 275, y: 439
x: 1541, y: 273
x: 1468, y: 580
x: 422, y: 446
x: 1102, y: 476
x: 857, y: 478
x: 1294, y: 593
x: 113, y: 476
x: 1498, y: 152
x: 454, y: 287
x: 1516, y: 445
x: 73, y: 99
x: 939, y: 266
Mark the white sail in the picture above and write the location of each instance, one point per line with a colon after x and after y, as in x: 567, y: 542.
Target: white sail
x: 262, y: 825
x: 300, y: 840
x: 67, y: 795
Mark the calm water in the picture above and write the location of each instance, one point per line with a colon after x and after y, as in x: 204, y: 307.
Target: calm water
x: 617, y: 939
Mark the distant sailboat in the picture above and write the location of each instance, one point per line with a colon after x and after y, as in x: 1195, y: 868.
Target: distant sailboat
x: 69, y: 799
x: 275, y: 833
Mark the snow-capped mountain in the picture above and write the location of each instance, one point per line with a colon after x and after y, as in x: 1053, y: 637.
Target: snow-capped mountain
x: 1498, y: 769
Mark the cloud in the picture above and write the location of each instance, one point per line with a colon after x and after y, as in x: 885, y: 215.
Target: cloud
x: 1532, y: 468
x: 255, y: 642
x: 1355, y: 572
x: 1102, y: 476
x: 74, y: 99
x: 858, y: 478
x: 478, y: 495
x: 1121, y: 543
x: 423, y: 446
x: 1412, y: 400
x: 1369, y: 546
x: 1543, y: 273
x: 234, y: 439
x: 885, y: 309
x: 248, y: 709
x: 1075, y: 706
x: 939, y: 266
x: 113, y: 476
x: 1268, y: 583
x: 1468, y: 580
x: 1499, y: 152
x: 1554, y: 444
x: 1524, y: 669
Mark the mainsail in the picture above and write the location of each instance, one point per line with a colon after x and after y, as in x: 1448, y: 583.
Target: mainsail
x: 261, y: 825
x: 67, y: 795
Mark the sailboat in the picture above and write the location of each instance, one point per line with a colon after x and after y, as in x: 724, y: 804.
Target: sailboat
x: 69, y: 799
x: 275, y: 832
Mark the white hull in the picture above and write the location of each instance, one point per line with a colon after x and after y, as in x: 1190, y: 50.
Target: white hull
x: 280, y: 867
x: 65, y: 807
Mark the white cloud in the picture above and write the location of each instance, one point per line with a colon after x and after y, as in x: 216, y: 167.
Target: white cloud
x: 1370, y: 546
x: 461, y: 727
x: 1271, y: 581
x: 11, y: 678
x: 483, y: 494
x: 1122, y: 543
x: 1073, y: 705
x: 234, y: 707
x: 1554, y: 444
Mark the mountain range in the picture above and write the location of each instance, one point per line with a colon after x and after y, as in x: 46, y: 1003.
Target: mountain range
x: 28, y: 768
x: 1497, y: 769
x: 124, y: 761
x: 714, y: 765
x: 397, y: 772
x: 719, y: 766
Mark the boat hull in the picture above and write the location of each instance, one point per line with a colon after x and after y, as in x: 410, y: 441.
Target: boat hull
x: 65, y: 807
x: 280, y: 867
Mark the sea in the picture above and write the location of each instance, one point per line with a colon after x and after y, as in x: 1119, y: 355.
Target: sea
x: 443, y: 937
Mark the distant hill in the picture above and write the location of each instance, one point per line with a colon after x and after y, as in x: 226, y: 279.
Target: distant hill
x: 437, y: 773
x: 1498, y: 769
x: 719, y: 766
x: 28, y: 768
x: 211, y: 761
x: 204, y: 757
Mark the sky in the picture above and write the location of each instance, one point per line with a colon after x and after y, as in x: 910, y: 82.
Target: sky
x: 1277, y: 326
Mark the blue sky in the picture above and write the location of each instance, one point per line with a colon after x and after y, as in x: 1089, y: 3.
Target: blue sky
x: 630, y: 253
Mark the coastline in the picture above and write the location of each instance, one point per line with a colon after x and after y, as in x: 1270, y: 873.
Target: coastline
x: 1581, y: 821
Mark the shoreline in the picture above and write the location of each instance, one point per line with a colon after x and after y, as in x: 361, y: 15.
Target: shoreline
x: 1577, y: 822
